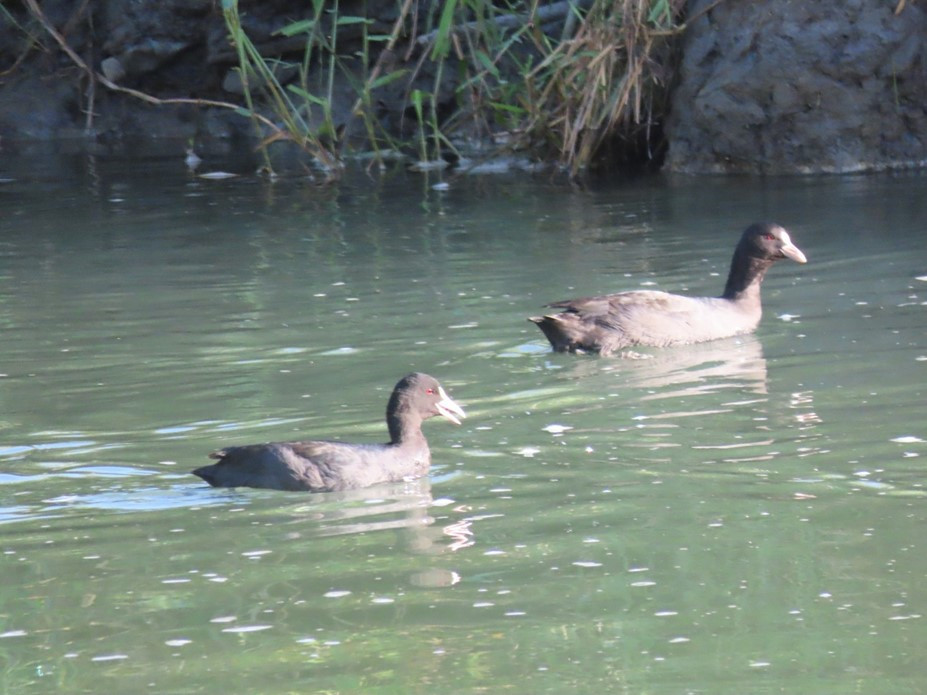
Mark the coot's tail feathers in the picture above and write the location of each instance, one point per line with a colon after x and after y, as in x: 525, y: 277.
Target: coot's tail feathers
x: 207, y: 473
x: 556, y: 332
x: 211, y: 473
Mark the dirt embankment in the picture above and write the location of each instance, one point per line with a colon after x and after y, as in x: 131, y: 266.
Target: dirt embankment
x: 774, y: 86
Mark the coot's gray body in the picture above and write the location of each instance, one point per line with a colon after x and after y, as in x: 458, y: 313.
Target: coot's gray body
x: 613, y: 322
x: 324, y: 466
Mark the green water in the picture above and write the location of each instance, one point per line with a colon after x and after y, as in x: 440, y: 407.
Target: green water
x: 744, y: 516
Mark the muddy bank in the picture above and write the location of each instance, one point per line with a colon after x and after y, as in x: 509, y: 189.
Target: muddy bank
x: 762, y: 87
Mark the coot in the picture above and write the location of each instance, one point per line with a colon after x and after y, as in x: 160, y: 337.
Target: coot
x: 324, y: 466
x: 613, y: 322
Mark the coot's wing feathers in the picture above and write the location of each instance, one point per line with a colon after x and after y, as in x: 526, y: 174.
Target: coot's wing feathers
x: 622, y: 302
x: 618, y: 310
x: 317, y: 466
x: 650, y: 317
x: 307, y: 465
x: 310, y: 450
x: 318, y: 451
x: 330, y: 466
x: 641, y: 317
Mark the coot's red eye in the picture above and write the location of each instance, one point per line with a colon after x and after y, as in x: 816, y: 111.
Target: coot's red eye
x: 769, y: 237
x: 430, y: 392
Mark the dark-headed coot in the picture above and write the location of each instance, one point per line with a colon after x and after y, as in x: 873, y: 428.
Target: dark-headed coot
x: 647, y: 317
x: 322, y: 466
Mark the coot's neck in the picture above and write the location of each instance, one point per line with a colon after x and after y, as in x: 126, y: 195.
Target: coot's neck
x: 745, y: 278
x: 404, y: 423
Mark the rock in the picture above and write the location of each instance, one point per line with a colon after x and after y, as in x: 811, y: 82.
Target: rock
x: 785, y: 87
x: 284, y: 73
x: 147, y: 55
x: 33, y: 109
x: 112, y: 69
x: 148, y: 33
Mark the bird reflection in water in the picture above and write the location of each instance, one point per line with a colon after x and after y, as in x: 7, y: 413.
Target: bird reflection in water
x: 402, y: 506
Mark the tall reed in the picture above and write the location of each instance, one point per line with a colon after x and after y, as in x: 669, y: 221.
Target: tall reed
x: 558, y: 81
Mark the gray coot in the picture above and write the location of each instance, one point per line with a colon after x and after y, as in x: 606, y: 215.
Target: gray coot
x: 324, y: 466
x: 613, y: 322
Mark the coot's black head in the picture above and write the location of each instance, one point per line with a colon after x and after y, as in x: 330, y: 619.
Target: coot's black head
x: 422, y: 395
x: 769, y: 242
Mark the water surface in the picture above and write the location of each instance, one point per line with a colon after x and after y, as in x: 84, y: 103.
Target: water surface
x: 743, y: 516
